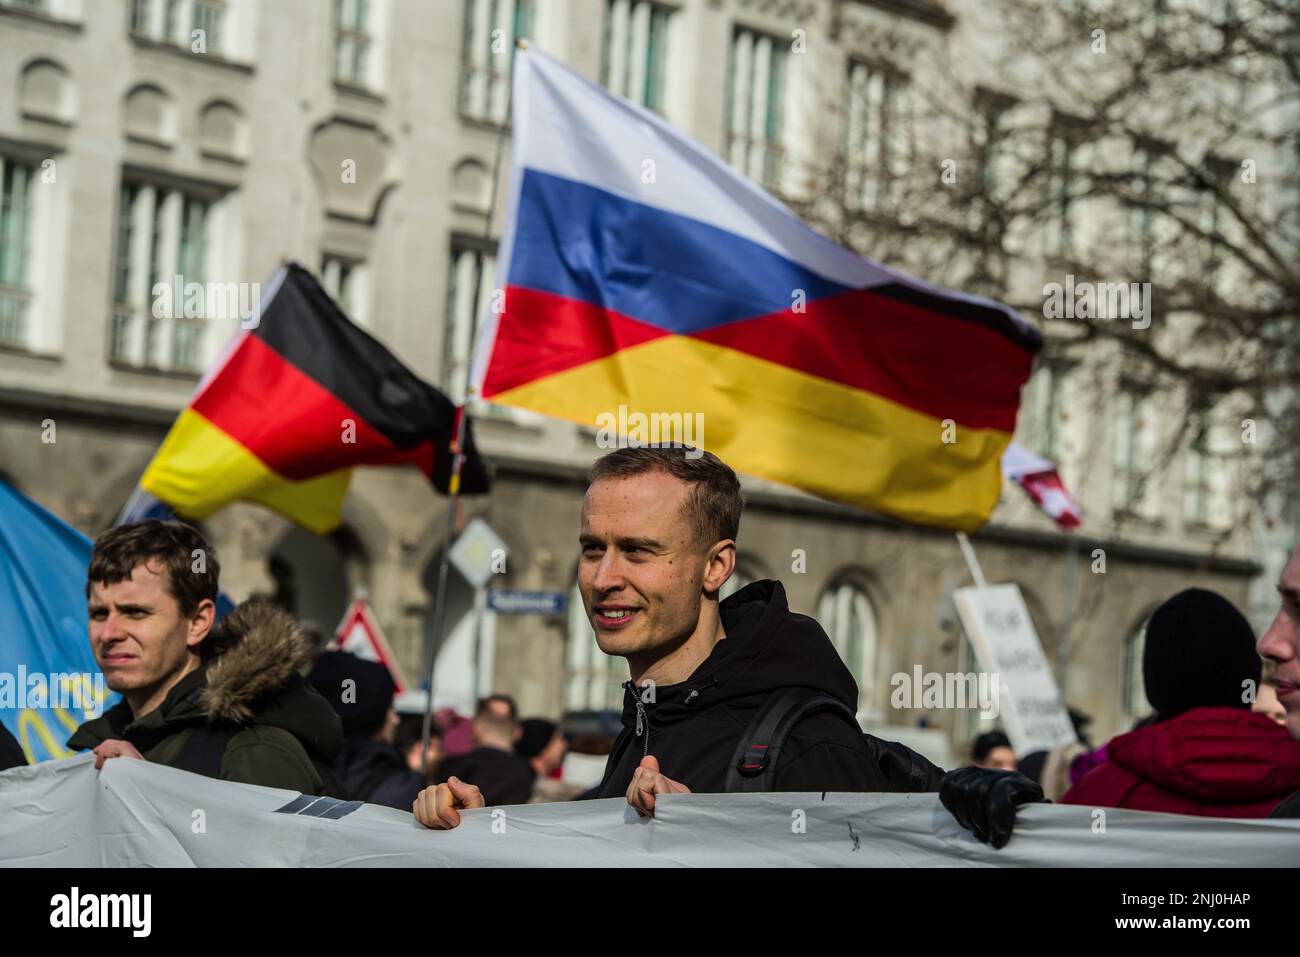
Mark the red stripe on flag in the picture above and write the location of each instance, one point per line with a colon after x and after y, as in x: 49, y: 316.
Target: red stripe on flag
x: 290, y: 421
x: 923, y: 360
x: 920, y: 359
x: 540, y: 334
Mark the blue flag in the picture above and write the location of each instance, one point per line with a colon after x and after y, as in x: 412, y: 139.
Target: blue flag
x: 49, y: 681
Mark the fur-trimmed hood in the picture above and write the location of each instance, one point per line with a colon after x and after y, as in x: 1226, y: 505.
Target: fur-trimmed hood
x: 250, y: 676
x: 255, y: 650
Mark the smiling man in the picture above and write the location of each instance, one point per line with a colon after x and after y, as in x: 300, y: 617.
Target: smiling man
x: 658, y: 542
x: 1280, y: 644
x: 227, y: 702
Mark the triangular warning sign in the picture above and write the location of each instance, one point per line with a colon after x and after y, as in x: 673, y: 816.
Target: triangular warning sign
x: 359, y: 634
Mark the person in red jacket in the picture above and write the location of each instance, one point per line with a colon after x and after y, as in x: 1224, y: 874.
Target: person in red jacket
x: 1205, y: 752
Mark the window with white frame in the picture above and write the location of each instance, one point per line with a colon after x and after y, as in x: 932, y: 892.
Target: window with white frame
x: 634, y: 60
x: 344, y: 280
x: 1133, y: 693
x: 593, y: 680
x: 15, y: 249
x: 756, y: 105
x: 1140, y: 216
x: 1213, y: 215
x: 877, y: 135
x: 1134, y: 445
x: 1044, y: 397
x: 164, y: 245
x: 471, y: 272
x: 1205, y: 477
x: 182, y: 22
x: 845, y: 612
x: 353, y: 38
x: 488, y: 54
x: 1061, y: 210
x: 990, y: 135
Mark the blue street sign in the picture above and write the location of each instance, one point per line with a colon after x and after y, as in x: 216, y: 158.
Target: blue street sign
x: 510, y: 601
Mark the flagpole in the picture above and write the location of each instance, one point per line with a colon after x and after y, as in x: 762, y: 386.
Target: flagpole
x: 968, y: 552
x: 457, y: 459
x: 440, y: 603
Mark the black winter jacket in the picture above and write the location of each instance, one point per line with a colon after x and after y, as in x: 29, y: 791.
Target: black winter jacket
x: 693, y: 728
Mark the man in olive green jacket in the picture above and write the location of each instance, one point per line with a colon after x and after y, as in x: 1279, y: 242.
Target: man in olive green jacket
x: 228, y: 702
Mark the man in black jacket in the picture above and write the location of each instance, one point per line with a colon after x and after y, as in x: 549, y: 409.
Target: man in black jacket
x: 658, y: 542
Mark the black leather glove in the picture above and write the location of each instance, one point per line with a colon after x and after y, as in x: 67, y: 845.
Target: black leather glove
x: 984, y: 800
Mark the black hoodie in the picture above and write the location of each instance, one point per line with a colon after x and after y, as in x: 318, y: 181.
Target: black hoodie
x: 692, y: 728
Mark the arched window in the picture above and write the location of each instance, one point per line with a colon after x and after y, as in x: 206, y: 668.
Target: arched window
x: 845, y: 612
x: 592, y: 679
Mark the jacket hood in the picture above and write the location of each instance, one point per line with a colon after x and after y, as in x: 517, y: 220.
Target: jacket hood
x: 1213, y: 754
x: 766, y: 647
x: 251, y: 677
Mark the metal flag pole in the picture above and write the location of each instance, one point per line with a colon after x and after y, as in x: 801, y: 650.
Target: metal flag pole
x: 968, y: 552
x: 457, y: 460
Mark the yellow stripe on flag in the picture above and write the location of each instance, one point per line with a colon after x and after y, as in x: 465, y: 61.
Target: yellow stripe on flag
x: 200, y: 469
x: 766, y: 419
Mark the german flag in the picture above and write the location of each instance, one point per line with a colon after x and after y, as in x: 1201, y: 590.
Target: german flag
x: 297, y: 402
x: 692, y: 293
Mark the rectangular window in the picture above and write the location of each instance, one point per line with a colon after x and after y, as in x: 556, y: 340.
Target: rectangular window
x: 1045, y: 412
x: 343, y: 279
x: 876, y: 135
x: 174, y: 21
x: 207, y: 16
x: 162, y: 235
x: 1139, y: 211
x: 1060, y: 211
x: 635, y: 50
x: 15, y: 244
x: 755, y: 110
x: 1134, y: 442
x: 140, y: 16
x: 352, y: 40
x: 472, y: 271
x: 1197, y: 488
x: 488, y: 54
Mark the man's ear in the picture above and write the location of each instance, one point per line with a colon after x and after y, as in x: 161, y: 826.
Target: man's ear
x: 721, y: 565
x: 201, y: 622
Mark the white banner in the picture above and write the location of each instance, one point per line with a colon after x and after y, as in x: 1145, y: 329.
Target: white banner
x: 1002, y: 633
x: 136, y: 814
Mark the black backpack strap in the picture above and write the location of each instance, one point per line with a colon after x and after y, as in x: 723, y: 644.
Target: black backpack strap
x: 204, y: 749
x: 753, y: 766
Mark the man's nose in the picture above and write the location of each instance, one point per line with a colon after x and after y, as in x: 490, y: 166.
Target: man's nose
x: 1278, y: 641
x: 609, y: 576
x: 113, y: 629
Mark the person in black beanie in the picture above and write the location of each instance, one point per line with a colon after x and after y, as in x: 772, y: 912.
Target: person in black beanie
x: 369, y: 767
x: 1205, y: 752
x: 1200, y: 652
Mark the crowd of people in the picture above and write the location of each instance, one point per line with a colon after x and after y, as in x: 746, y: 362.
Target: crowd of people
x: 1215, y: 742
x: 734, y: 695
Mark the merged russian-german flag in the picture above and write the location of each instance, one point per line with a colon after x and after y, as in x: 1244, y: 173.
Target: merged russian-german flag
x: 298, y: 401
x: 640, y: 270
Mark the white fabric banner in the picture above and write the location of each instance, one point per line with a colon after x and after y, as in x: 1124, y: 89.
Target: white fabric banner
x: 134, y: 814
